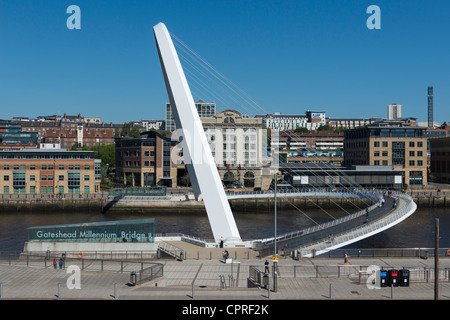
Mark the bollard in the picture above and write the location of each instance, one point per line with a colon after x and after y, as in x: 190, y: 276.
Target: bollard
x: 1, y: 290
x: 330, y: 290
x: 392, y: 291
x: 268, y: 291
x: 115, y: 290
x: 192, y: 291
x: 59, y: 290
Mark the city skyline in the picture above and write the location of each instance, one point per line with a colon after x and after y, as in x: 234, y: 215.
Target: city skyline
x: 288, y: 56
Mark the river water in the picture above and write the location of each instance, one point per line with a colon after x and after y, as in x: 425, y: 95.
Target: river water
x: 415, y: 232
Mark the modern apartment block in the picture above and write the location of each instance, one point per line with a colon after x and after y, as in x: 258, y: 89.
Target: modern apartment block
x: 389, y: 143
x: 49, y: 171
x: 313, y: 141
x: 204, y: 109
x: 281, y: 122
x: 146, y: 161
x: 394, y: 111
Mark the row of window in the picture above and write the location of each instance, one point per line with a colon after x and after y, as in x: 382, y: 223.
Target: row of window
x: 412, y: 163
x: 47, y: 167
x: 412, y: 144
x: 21, y: 176
x: 386, y: 153
x: 44, y: 190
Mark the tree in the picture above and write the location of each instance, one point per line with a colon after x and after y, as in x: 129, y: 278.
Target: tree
x: 107, y: 153
x: 301, y: 129
x: 325, y: 127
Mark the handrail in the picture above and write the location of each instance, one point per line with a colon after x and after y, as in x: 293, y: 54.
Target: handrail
x: 375, y: 226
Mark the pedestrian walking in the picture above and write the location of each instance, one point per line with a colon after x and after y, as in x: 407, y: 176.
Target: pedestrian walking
x: 61, y: 263
x: 55, y: 264
x: 346, y: 256
x: 266, y: 265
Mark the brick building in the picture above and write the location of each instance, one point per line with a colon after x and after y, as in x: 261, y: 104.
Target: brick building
x: 146, y: 161
x: 72, y: 130
x: 49, y: 171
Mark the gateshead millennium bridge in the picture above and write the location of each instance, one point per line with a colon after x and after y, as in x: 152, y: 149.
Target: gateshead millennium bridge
x: 207, y: 185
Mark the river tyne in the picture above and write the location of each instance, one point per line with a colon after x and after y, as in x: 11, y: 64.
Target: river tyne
x: 417, y: 231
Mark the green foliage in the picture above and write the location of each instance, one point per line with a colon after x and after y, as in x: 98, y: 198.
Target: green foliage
x: 105, y: 152
x: 301, y: 129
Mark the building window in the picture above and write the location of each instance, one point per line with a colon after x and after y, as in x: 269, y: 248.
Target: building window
x: 86, y: 189
x: 5, y: 178
x: 86, y: 178
x: 43, y: 189
x: 6, y: 189
x: 376, y: 143
x: 60, y: 189
x: 412, y: 153
x: 385, y: 144
x: 385, y: 153
x: 32, y: 167
x: 6, y: 167
x: 32, y: 189
x: 61, y: 167
x: 412, y: 163
x: 86, y: 167
x: 411, y: 144
x: 32, y: 178
x: 376, y: 153
x: 43, y: 178
x: 44, y: 167
x: 61, y: 178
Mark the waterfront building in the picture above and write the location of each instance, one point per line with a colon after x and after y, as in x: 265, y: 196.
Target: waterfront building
x: 440, y: 158
x: 204, y: 109
x: 321, y: 175
x: 238, y: 145
x: 49, y: 171
x: 146, y: 161
x: 389, y: 143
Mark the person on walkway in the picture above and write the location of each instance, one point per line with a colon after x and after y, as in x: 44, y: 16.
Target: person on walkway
x: 55, y: 263
x: 221, y: 242
x: 266, y: 269
x: 346, y: 256
x: 61, y: 263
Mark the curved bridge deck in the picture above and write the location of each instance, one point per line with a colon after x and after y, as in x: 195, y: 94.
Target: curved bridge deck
x: 338, y: 233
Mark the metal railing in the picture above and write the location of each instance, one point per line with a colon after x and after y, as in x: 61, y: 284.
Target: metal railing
x: 144, y: 269
x: 346, y: 236
x: 360, y: 273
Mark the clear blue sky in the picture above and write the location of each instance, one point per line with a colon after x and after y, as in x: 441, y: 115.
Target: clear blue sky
x: 289, y: 56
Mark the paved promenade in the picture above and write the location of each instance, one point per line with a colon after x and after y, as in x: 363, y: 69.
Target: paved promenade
x: 200, y: 280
